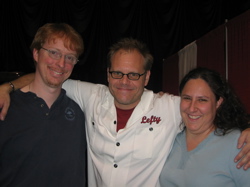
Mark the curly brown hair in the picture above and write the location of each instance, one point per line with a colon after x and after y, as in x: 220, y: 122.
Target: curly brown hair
x: 231, y: 114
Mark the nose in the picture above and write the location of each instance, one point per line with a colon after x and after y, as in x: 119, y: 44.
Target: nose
x: 124, y: 79
x: 61, y: 62
x: 192, y: 106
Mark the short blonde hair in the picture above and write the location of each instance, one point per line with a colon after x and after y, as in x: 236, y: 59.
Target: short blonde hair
x: 130, y: 44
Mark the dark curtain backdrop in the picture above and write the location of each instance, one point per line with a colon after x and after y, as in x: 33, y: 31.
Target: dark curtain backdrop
x: 164, y: 25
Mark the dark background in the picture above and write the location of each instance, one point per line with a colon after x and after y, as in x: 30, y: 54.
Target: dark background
x: 165, y: 26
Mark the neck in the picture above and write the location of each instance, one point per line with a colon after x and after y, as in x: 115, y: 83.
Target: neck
x: 48, y: 94
x: 193, y: 139
x: 126, y: 107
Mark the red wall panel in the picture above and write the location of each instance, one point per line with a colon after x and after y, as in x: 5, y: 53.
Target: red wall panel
x: 171, y: 75
x: 239, y: 57
x: 211, y: 50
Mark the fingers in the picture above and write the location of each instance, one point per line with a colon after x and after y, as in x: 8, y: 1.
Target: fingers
x: 243, y: 157
x: 244, y: 162
x: 242, y: 139
x: 161, y: 93
x: 3, y: 112
x: 4, y: 105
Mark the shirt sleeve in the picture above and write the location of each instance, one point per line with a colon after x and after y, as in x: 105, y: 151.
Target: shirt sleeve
x: 79, y: 91
x: 175, y: 100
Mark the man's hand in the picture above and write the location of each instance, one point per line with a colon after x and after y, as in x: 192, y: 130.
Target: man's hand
x: 6, y: 88
x: 243, y: 158
x: 4, y: 100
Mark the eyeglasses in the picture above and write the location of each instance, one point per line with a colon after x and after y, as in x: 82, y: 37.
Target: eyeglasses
x: 131, y: 76
x: 69, y: 59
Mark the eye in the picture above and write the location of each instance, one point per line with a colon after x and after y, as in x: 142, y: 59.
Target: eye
x: 117, y: 73
x: 202, y: 100
x: 186, y: 98
x: 133, y: 74
x: 70, y: 58
x: 55, y: 53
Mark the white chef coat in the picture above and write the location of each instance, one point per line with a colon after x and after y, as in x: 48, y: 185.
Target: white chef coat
x: 133, y: 156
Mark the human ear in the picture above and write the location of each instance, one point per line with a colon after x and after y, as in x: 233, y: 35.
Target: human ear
x: 219, y: 102
x: 35, y: 55
x: 147, y: 77
x: 108, y: 74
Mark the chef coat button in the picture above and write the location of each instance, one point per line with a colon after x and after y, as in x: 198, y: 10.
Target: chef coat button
x: 115, y: 165
x: 117, y: 144
x: 151, y: 129
x: 114, y: 122
x: 93, y: 123
x: 42, y: 105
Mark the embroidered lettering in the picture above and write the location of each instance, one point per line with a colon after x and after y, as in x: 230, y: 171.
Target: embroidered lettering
x: 151, y: 120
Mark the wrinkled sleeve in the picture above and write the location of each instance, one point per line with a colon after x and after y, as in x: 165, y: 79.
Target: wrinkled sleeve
x: 79, y: 91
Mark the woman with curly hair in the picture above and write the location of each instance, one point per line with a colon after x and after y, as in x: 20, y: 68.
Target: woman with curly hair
x: 213, y: 119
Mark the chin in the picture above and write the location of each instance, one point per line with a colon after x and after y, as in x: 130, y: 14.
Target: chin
x: 54, y: 84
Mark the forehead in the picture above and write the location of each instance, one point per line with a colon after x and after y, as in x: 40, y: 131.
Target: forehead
x: 60, y: 43
x: 127, y: 59
x: 53, y: 39
x: 197, y: 87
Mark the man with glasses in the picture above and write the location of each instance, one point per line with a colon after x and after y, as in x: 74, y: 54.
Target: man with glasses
x: 57, y: 55
x: 130, y: 130
x: 43, y: 139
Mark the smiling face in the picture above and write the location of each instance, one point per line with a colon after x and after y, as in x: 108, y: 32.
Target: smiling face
x: 49, y: 71
x: 127, y: 93
x: 198, y: 106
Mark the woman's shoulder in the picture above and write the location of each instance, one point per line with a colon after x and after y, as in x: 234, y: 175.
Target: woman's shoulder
x: 233, y: 134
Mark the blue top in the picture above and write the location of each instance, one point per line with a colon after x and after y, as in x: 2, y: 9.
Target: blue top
x: 41, y: 146
x: 210, y: 164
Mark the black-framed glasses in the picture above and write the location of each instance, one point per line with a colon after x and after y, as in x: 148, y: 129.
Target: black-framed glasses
x: 131, y: 76
x: 69, y: 59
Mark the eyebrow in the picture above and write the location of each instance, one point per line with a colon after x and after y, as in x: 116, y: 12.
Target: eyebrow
x: 52, y: 48
x: 202, y: 96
